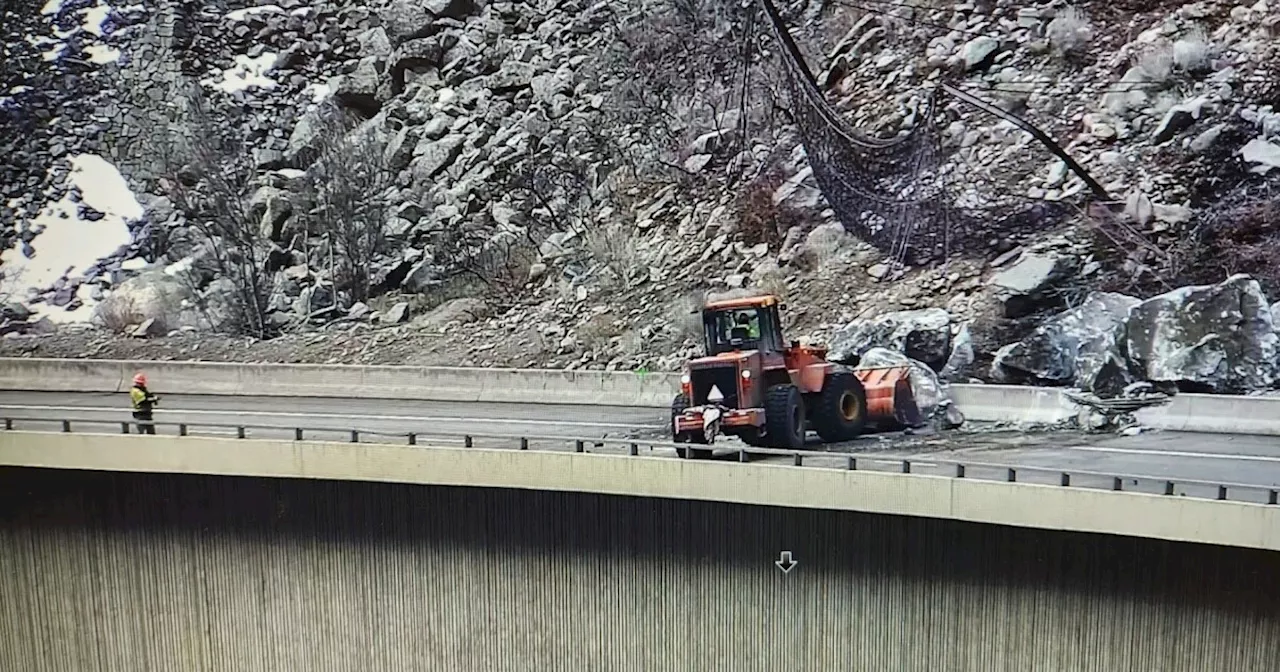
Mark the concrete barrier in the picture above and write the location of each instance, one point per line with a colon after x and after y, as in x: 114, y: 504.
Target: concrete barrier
x: 1227, y: 414
x: 611, y: 388
x: 1012, y: 403
x: 1013, y: 504
x: 980, y: 403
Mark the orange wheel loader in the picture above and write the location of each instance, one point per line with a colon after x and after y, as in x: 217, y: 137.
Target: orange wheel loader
x: 753, y: 385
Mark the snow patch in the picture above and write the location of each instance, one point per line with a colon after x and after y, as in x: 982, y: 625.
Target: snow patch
x: 242, y: 14
x: 66, y: 243
x: 102, y: 54
x: 319, y: 92
x: 93, y: 22
x: 247, y: 73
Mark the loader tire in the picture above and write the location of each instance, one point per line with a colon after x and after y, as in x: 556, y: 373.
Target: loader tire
x: 784, y: 417
x: 678, y: 405
x: 840, y: 412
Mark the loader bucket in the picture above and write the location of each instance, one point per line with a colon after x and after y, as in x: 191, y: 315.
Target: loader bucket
x: 890, y: 401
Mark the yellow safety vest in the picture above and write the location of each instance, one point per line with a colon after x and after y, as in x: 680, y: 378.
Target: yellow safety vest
x: 139, y: 398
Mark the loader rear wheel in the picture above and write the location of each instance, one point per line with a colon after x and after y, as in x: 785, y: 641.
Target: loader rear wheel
x: 784, y: 417
x: 840, y: 413
x: 678, y: 405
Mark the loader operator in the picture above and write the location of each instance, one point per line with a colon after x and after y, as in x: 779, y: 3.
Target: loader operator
x: 748, y: 320
x: 143, y: 404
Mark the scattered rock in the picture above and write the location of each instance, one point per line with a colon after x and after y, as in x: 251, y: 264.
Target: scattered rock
x: 1024, y: 287
x: 397, y: 313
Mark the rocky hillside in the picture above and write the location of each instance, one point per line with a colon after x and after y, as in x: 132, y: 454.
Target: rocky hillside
x: 562, y: 183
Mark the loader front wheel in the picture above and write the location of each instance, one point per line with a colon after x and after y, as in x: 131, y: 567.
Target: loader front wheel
x: 678, y: 405
x: 784, y: 417
x: 840, y: 413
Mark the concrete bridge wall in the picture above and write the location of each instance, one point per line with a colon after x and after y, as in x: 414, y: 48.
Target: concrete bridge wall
x: 138, y: 572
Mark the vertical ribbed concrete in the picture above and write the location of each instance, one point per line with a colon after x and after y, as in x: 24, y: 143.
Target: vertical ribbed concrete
x: 110, y: 572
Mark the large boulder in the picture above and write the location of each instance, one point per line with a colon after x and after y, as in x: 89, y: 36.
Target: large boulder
x: 154, y: 296
x: 929, y: 392
x: 923, y: 335
x: 1026, y: 286
x: 1214, y: 338
x: 1080, y: 347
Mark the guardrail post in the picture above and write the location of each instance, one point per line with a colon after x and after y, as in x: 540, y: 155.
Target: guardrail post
x: 1168, y: 487
x: 355, y: 436
x: 524, y: 443
x: 1222, y: 492
x: 8, y: 424
x: 297, y: 433
x: 578, y: 446
x: 906, y: 466
x: 742, y: 455
x: 466, y: 441
x: 851, y: 463
x: 959, y: 471
x: 124, y: 428
x: 799, y: 460
x: 635, y: 450
x: 1066, y: 479
x: 1012, y: 476
x: 66, y: 426
x: 413, y: 439
x: 1273, y: 497
x: 1117, y: 484
x: 239, y: 432
x: 182, y: 429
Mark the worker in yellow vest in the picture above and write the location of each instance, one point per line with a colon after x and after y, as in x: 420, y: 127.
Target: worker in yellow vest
x: 143, y: 403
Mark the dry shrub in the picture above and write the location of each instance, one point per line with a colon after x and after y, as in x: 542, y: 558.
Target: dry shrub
x: 1192, y: 51
x: 1241, y: 239
x: 614, y: 246
x: 760, y: 219
x: 1070, y: 31
x: 597, y: 330
x: 773, y: 282
x: 1239, y: 235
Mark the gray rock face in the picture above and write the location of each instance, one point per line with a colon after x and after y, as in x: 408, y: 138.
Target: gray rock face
x: 1218, y: 338
x: 358, y: 90
x: 923, y: 335
x: 435, y: 156
x: 1080, y: 347
x: 271, y: 207
x: 406, y: 18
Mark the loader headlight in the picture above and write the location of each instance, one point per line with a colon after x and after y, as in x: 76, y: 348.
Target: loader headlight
x: 684, y: 379
x: 746, y: 374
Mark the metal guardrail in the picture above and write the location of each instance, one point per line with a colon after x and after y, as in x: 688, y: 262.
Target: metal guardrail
x: 1221, y: 491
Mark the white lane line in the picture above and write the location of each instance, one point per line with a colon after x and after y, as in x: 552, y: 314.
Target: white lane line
x: 347, y: 416
x: 1174, y: 453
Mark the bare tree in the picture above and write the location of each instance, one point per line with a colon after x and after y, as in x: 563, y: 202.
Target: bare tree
x: 683, y: 69
x: 346, y: 190
x: 213, y: 188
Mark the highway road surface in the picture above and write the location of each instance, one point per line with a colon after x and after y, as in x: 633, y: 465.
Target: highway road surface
x: 1157, y: 456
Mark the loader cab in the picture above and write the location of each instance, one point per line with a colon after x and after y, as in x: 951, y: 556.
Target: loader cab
x: 742, y: 325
